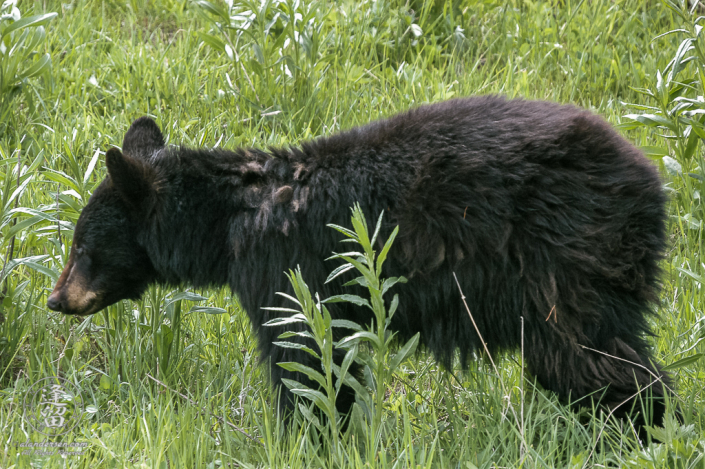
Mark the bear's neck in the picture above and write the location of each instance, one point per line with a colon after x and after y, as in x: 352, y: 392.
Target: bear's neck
x: 245, y: 218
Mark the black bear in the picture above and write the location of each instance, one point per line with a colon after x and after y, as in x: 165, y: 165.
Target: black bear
x: 542, y: 210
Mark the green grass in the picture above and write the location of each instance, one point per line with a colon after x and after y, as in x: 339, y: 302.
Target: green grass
x: 336, y: 65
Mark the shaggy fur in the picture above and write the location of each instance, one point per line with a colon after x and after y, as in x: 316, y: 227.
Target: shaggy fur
x: 543, y: 211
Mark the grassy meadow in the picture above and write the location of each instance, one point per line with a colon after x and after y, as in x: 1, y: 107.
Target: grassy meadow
x: 160, y: 393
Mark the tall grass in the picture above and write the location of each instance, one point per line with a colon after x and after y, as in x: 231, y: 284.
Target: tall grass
x: 173, y: 380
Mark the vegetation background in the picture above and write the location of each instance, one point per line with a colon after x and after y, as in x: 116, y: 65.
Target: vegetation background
x: 166, y: 393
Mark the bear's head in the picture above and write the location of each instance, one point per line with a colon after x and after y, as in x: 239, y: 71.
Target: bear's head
x: 107, y: 262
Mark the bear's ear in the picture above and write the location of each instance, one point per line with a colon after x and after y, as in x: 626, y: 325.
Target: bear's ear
x: 132, y: 178
x: 143, y: 139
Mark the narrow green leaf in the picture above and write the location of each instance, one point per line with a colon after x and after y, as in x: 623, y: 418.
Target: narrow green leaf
x: 692, y: 275
x: 393, y: 307
x: 207, y: 310
x: 317, y: 397
x: 39, y: 67
x: 362, y: 335
x: 358, y: 300
x: 699, y: 131
x: 285, y: 310
x: 406, y: 351
x: 186, y: 295
x: 654, y: 152
x: 294, y: 345
x: 288, y: 320
x: 259, y: 55
x: 684, y: 362
x: 48, y: 271
x: 213, y: 9
x: 691, y: 145
x: 377, y: 228
x: 36, y: 20
x: 345, y: 323
x: 14, y: 263
x: 357, y: 281
x: 342, y: 371
x: 390, y: 282
x: 387, y: 246
x: 339, y: 271
x: 652, y: 120
x: 345, y: 231
x: 91, y: 166
x: 644, y: 91
x: 212, y: 41
x: 360, y: 226
x: 673, y: 31
x: 289, y: 334
x: 289, y: 297
x: 629, y: 125
x: 685, y: 46
x: 17, y: 192
x: 34, y: 212
x: 345, y: 254
x: 23, y: 225
x: 61, y: 178
x: 312, y: 374
x: 641, y: 107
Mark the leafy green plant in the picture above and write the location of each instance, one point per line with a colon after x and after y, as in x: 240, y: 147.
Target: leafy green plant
x: 331, y: 377
x: 277, y: 43
x: 381, y: 363
x: 13, y: 324
x: 19, y: 60
x: 11, y: 190
x: 677, y: 112
x: 678, y: 108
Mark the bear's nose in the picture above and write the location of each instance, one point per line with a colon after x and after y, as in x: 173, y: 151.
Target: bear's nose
x: 54, y: 303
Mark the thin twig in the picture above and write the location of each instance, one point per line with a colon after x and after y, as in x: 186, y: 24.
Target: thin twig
x: 487, y: 351
x: 658, y: 378
x: 221, y: 419
x: 63, y: 353
x: 553, y: 313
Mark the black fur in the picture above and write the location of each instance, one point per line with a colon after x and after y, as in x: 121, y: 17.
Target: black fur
x: 542, y: 211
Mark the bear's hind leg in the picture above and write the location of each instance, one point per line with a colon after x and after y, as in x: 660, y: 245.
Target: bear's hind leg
x: 626, y: 382
x: 639, y: 384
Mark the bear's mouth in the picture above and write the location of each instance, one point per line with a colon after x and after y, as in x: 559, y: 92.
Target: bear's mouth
x: 88, y: 303
x: 91, y: 308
